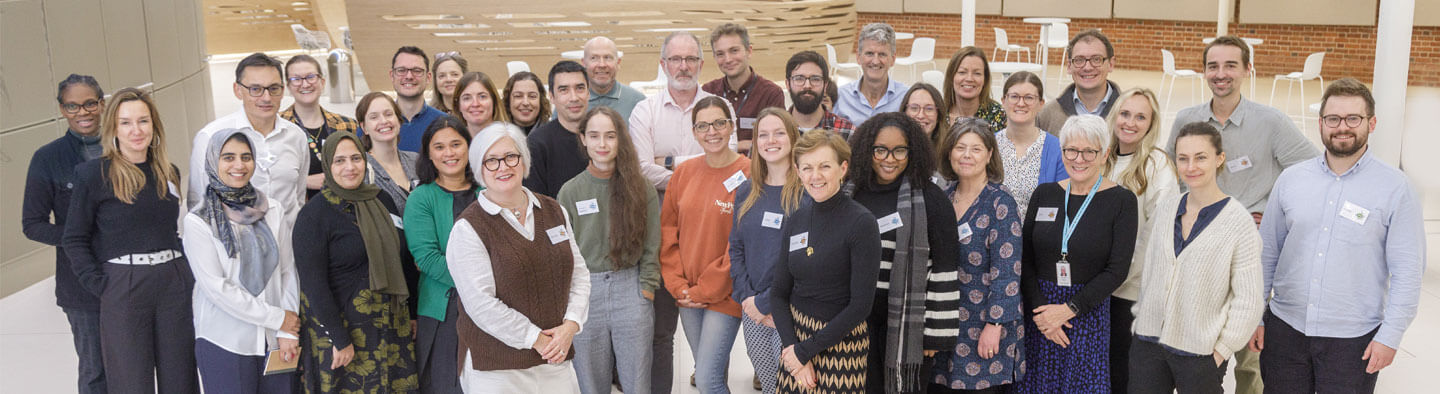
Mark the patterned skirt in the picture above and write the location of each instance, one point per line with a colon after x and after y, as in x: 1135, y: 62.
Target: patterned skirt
x: 838, y: 369
x: 384, y: 348
x: 1084, y: 366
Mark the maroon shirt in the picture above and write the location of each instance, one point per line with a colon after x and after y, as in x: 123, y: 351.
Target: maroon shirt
x: 755, y: 95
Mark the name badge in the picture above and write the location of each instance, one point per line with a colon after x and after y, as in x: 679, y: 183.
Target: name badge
x: 965, y: 231
x: 734, y: 181
x: 558, y: 234
x: 1046, y: 214
x: 747, y: 123
x: 399, y: 223
x: 1355, y: 213
x: 889, y: 222
x: 174, y: 190
x: 1062, y: 273
x: 1239, y: 164
x: 772, y: 220
x: 587, y: 207
x: 799, y: 241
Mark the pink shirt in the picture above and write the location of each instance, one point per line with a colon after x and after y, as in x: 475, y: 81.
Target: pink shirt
x: 660, y: 127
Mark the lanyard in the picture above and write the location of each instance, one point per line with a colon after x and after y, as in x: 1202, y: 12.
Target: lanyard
x: 1069, y: 226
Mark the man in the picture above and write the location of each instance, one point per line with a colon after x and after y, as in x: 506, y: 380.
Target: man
x: 555, y: 151
x: 410, y: 75
x: 602, y: 64
x: 1343, y: 257
x: 746, y: 91
x: 808, y: 76
x: 1260, y: 142
x: 1091, y: 60
x: 875, y: 92
x: 47, y: 191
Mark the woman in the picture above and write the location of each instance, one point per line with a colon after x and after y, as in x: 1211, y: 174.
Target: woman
x: 125, y: 211
x: 389, y: 167
x: 1134, y: 126
x: 967, y: 89
x: 988, y: 356
x: 474, y: 102
x: 755, y: 242
x: 917, y: 260
x: 1196, y: 308
x: 446, y: 188
x: 525, y: 102
x: 355, y: 282
x: 523, y: 287
x: 1031, y: 155
x: 1078, y: 238
x: 306, y: 84
x: 922, y: 103
x: 446, y: 73
x: 246, y: 297
x: 695, y: 220
x: 825, y: 279
x: 617, y: 225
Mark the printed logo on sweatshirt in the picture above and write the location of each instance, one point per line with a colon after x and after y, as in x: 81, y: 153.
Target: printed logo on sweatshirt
x: 726, y: 207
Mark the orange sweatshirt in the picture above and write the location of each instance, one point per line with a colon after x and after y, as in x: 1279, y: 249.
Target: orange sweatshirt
x: 695, y: 221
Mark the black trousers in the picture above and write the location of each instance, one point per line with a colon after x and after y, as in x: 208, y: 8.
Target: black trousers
x: 146, y: 331
x: 1156, y: 370
x: 936, y: 388
x: 667, y: 318
x: 437, y: 345
x: 1295, y: 363
x: 1120, y: 321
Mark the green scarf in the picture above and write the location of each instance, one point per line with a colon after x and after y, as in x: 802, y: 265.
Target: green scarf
x: 382, y: 242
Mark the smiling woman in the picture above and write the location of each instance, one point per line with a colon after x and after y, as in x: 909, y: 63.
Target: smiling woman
x: 389, y: 167
x: 306, y: 82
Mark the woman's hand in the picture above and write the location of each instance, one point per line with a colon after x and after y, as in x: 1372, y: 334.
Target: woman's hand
x: 806, y: 375
x: 989, y: 341
x: 561, y: 337
x: 1219, y: 359
x: 291, y: 325
x: 789, y: 361
x: 685, y: 301
x: 769, y: 321
x: 541, y: 343
x: 342, y: 356
x: 289, y: 348
x: 649, y: 295
x: 751, y: 311
x: 1053, y: 316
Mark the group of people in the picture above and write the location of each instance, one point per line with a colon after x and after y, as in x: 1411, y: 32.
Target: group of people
x: 872, y: 237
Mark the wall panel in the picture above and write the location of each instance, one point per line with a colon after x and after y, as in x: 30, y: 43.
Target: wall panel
x: 162, y: 33
x: 125, y: 42
x: 1058, y: 8
x: 982, y: 7
x: 1312, y: 12
x: 1175, y: 10
x: 24, y: 65
x: 77, y: 40
x: 16, y: 148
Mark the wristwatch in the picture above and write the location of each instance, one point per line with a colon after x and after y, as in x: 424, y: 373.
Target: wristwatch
x: 670, y: 162
x: 1073, y: 308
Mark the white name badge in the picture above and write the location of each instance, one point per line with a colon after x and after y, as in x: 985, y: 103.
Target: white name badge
x: 734, y: 181
x: 1355, y: 213
x: 747, y: 123
x: 889, y: 222
x: 965, y: 231
x: 174, y: 190
x: 399, y: 223
x: 1046, y: 214
x: 558, y: 234
x: 772, y: 220
x: 1062, y: 273
x: 1239, y: 164
x: 799, y: 241
x: 587, y: 207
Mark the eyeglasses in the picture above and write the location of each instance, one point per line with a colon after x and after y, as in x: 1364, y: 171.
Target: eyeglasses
x: 800, y: 80
x: 312, y: 78
x: 1096, y: 61
x: 1027, y: 99
x: 493, y: 163
x: 400, y: 71
x: 899, y: 152
x: 256, y: 91
x: 718, y: 124
x: 1087, y: 154
x: 691, y: 60
x: 88, y: 105
x: 927, y: 109
x: 1334, y: 120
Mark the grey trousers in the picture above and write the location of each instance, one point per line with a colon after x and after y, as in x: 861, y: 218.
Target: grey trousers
x: 617, y: 335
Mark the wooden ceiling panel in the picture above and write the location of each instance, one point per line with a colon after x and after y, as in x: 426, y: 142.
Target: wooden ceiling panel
x: 241, y: 26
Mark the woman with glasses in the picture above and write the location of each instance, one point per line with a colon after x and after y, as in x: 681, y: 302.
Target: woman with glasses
x: 1078, y: 238
x: 525, y: 103
x: 475, y: 102
x: 522, y: 280
x: 922, y: 104
x: 446, y: 72
x: 389, y: 168
x: 917, y: 293
x: 306, y: 83
x: 1031, y: 155
x: 967, y: 89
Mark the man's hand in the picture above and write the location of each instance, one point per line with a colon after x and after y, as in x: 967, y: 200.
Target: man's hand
x: 1380, y: 356
x: 1257, y: 341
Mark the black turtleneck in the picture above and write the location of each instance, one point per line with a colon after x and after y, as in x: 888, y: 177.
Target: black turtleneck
x: 831, y: 277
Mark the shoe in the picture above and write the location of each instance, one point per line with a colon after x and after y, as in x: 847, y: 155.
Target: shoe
x: 756, y: 384
x: 692, y: 379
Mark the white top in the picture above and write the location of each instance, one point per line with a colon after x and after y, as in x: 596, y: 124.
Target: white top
x: 225, y: 313
x: 660, y: 128
x: 469, y: 263
x: 1163, y: 184
x: 282, y: 161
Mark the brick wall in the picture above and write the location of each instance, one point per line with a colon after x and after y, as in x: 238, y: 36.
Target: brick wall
x: 1350, y: 50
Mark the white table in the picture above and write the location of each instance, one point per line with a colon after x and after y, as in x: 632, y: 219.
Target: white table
x: 903, y: 36
x: 1045, y: 24
x: 1005, y: 69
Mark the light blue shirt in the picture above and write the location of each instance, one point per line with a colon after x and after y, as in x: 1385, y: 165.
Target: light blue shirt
x: 853, y: 105
x: 1344, y: 253
x: 1099, y: 109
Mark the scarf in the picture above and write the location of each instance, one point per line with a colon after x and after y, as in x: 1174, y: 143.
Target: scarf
x: 90, y: 147
x: 905, y: 316
x: 382, y: 242
x: 237, y: 217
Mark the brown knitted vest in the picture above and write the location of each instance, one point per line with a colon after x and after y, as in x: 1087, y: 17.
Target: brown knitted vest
x: 531, y: 277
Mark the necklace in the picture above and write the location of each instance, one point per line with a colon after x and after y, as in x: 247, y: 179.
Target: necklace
x: 514, y: 211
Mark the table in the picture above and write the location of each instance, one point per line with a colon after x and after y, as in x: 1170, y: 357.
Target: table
x: 1045, y: 24
x: 1005, y: 69
x: 903, y: 36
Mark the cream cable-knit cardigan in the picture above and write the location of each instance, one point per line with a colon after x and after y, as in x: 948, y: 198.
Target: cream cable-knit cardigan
x: 1208, y: 299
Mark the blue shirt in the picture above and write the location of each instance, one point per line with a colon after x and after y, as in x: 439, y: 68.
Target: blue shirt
x: 411, y: 130
x: 1344, y: 253
x: 1099, y: 109
x: 1206, y: 215
x: 853, y: 105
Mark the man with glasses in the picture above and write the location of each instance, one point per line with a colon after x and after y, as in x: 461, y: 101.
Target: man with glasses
x: 47, y: 192
x: 410, y: 75
x: 1091, y: 60
x: 746, y: 90
x: 602, y: 65
x: 1343, y: 257
x: 808, y: 76
x: 875, y: 92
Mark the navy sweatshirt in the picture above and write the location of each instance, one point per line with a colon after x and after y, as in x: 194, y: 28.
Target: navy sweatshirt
x: 48, y: 186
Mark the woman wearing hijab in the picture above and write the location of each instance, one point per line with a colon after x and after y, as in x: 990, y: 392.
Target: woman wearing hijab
x: 355, y: 280
x: 246, y: 296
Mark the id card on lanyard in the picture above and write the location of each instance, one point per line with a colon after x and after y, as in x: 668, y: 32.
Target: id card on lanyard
x: 1062, y: 267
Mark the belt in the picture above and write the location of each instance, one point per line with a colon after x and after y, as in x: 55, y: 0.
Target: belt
x: 153, y: 258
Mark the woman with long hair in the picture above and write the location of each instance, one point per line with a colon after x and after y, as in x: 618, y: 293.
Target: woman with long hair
x: 476, y: 102
x: 389, y: 168
x: 446, y: 73
x: 120, y: 238
x: 616, y: 214
x: 922, y: 104
x: 967, y: 89
x: 525, y: 101
x: 306, y: 83
x: 755, y: 243
x: 1031, y: 155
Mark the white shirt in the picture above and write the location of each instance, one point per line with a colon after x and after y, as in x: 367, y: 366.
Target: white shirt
x: 470, y: 265
x: 282, y: 161
x: 660, y: 128
x: 225, y: 313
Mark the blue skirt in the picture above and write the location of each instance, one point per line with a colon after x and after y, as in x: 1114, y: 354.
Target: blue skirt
x: 1084, y: 367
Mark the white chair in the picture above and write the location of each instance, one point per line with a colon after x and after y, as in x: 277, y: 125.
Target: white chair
x: 1167, y: 65
x: 1310, y: 72
x: 921, y: 51
x: 658, y: 83
x: 935, y: 78
x: 516, y: 66
x: 1059, y: 37
x: 310, y: 41
x: 1002, y: 43
x: 345, y: 30
x: 836, y: 66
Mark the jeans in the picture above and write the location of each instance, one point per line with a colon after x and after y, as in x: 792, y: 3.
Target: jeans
x: 617, y: 335
x: 711, y: 334
x: 85, y: 328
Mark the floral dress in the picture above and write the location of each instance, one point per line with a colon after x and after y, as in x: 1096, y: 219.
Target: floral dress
x: 991, y: 112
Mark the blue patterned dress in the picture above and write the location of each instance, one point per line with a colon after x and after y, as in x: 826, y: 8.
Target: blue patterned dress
x: 990, y: 293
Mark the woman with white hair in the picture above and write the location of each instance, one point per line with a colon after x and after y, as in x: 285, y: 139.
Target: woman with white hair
x: 524, y: 293
x: 1079, y: 235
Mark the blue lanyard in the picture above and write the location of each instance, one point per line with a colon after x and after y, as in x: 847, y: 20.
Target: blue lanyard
x: 1069, y: 225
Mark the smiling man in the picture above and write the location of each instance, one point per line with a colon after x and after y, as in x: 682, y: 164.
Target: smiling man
x: 747, y: 91
x: 808, y: 77
x: 409, y: 76
x: 602, y: 64
x: 555, y: 151
x: 875, y: 92
x: 1092, y: 58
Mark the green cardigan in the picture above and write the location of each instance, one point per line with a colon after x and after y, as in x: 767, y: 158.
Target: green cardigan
x: 428, y: 220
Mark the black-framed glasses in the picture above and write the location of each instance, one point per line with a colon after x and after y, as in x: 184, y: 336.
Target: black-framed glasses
x: 1087, y: 154
x: 256, y: 91
x: 91, y: 105
x: 899, y: 152
x: 311, y: 79
x: 800, y: 80
x: 718, y: 124
x: 493, y: 163
x: 691, y: 60
x: 401, y: 71
x: 1096, y: 61
x: 1352, y: 120
x: 1027, y: 99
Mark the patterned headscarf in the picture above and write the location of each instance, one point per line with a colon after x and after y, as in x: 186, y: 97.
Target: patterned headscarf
x: 237, y: 216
